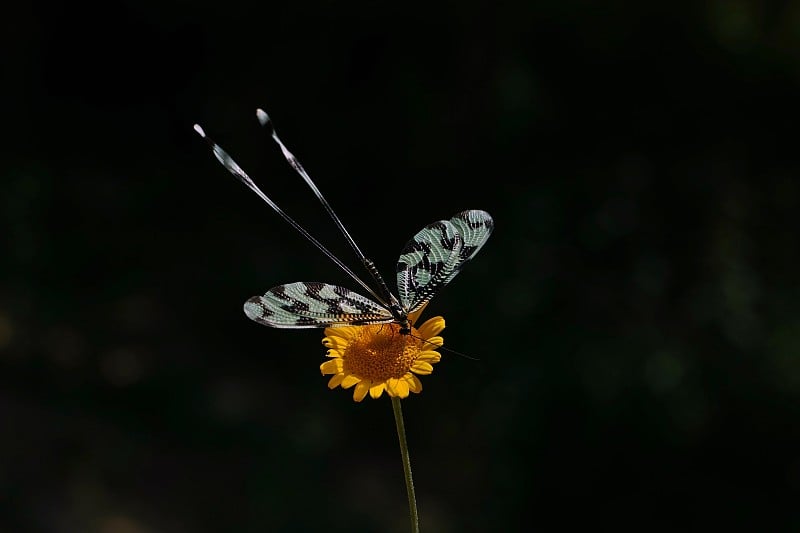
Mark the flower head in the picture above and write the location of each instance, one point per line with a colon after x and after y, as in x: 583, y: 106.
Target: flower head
x: 379, y: 358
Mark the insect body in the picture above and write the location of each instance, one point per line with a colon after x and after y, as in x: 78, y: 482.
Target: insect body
x: 429, y: 261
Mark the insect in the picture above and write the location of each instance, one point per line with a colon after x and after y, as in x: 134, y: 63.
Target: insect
x: 429, y: 261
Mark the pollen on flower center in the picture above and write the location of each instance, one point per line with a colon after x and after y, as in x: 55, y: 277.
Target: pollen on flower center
x: 378, y: 358
x: 380, y: 352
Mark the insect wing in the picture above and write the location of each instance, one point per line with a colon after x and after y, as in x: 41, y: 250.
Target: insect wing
x: 314, y: 305
x: 435, y: 255
x: 426, y: 263
x: 475, y: 227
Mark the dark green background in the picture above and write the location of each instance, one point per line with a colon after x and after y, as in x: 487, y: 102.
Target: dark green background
x: 635, y: 313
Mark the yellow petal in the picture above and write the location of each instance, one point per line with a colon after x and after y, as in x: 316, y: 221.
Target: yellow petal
x: 391, y: 386
x: 413, y: 317
x: 332, y: 366
x: 335, y: 343
x: 429, y: 356
x: 350, y: 380
x: 376, y: 390
x: 432, y: 326
x: 335, y: 381
x: 348, y: 333
x: 333, y: 332
x: 432, y: 343
x: 414, y: 384
x: 402, y: 388
x: 340, y: 334
x: 422, y: 367
x: 361, y: 390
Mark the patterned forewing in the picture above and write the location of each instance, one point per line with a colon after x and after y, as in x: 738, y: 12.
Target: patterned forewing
x: 474, y: 226
x: 314, y: 305
x: 427, y: 261
x: 435, y: 255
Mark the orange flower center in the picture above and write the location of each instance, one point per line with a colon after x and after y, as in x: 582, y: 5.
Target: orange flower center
x: 380, y: 352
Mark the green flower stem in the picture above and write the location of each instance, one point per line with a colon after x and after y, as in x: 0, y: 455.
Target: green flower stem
x: 401, y: 435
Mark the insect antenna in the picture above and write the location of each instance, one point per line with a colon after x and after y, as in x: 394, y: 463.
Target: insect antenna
x: 237, y: 171
x: 265, y: 121
x: 438, y: 347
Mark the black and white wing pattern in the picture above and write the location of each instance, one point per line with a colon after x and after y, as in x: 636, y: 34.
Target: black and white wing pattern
x: 474, y: 226
x: 430, y: 260
x: 314, y: 305
x: 435, y: 255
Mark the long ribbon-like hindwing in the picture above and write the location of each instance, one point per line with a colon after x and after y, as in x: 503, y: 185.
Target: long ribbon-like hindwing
x: 430, y: 260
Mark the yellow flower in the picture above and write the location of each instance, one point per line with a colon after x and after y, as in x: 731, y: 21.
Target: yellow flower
x: 379, y: 358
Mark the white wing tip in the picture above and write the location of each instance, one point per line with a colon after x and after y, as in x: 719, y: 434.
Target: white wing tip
x: 200, y: 131
x: 262, y: 116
